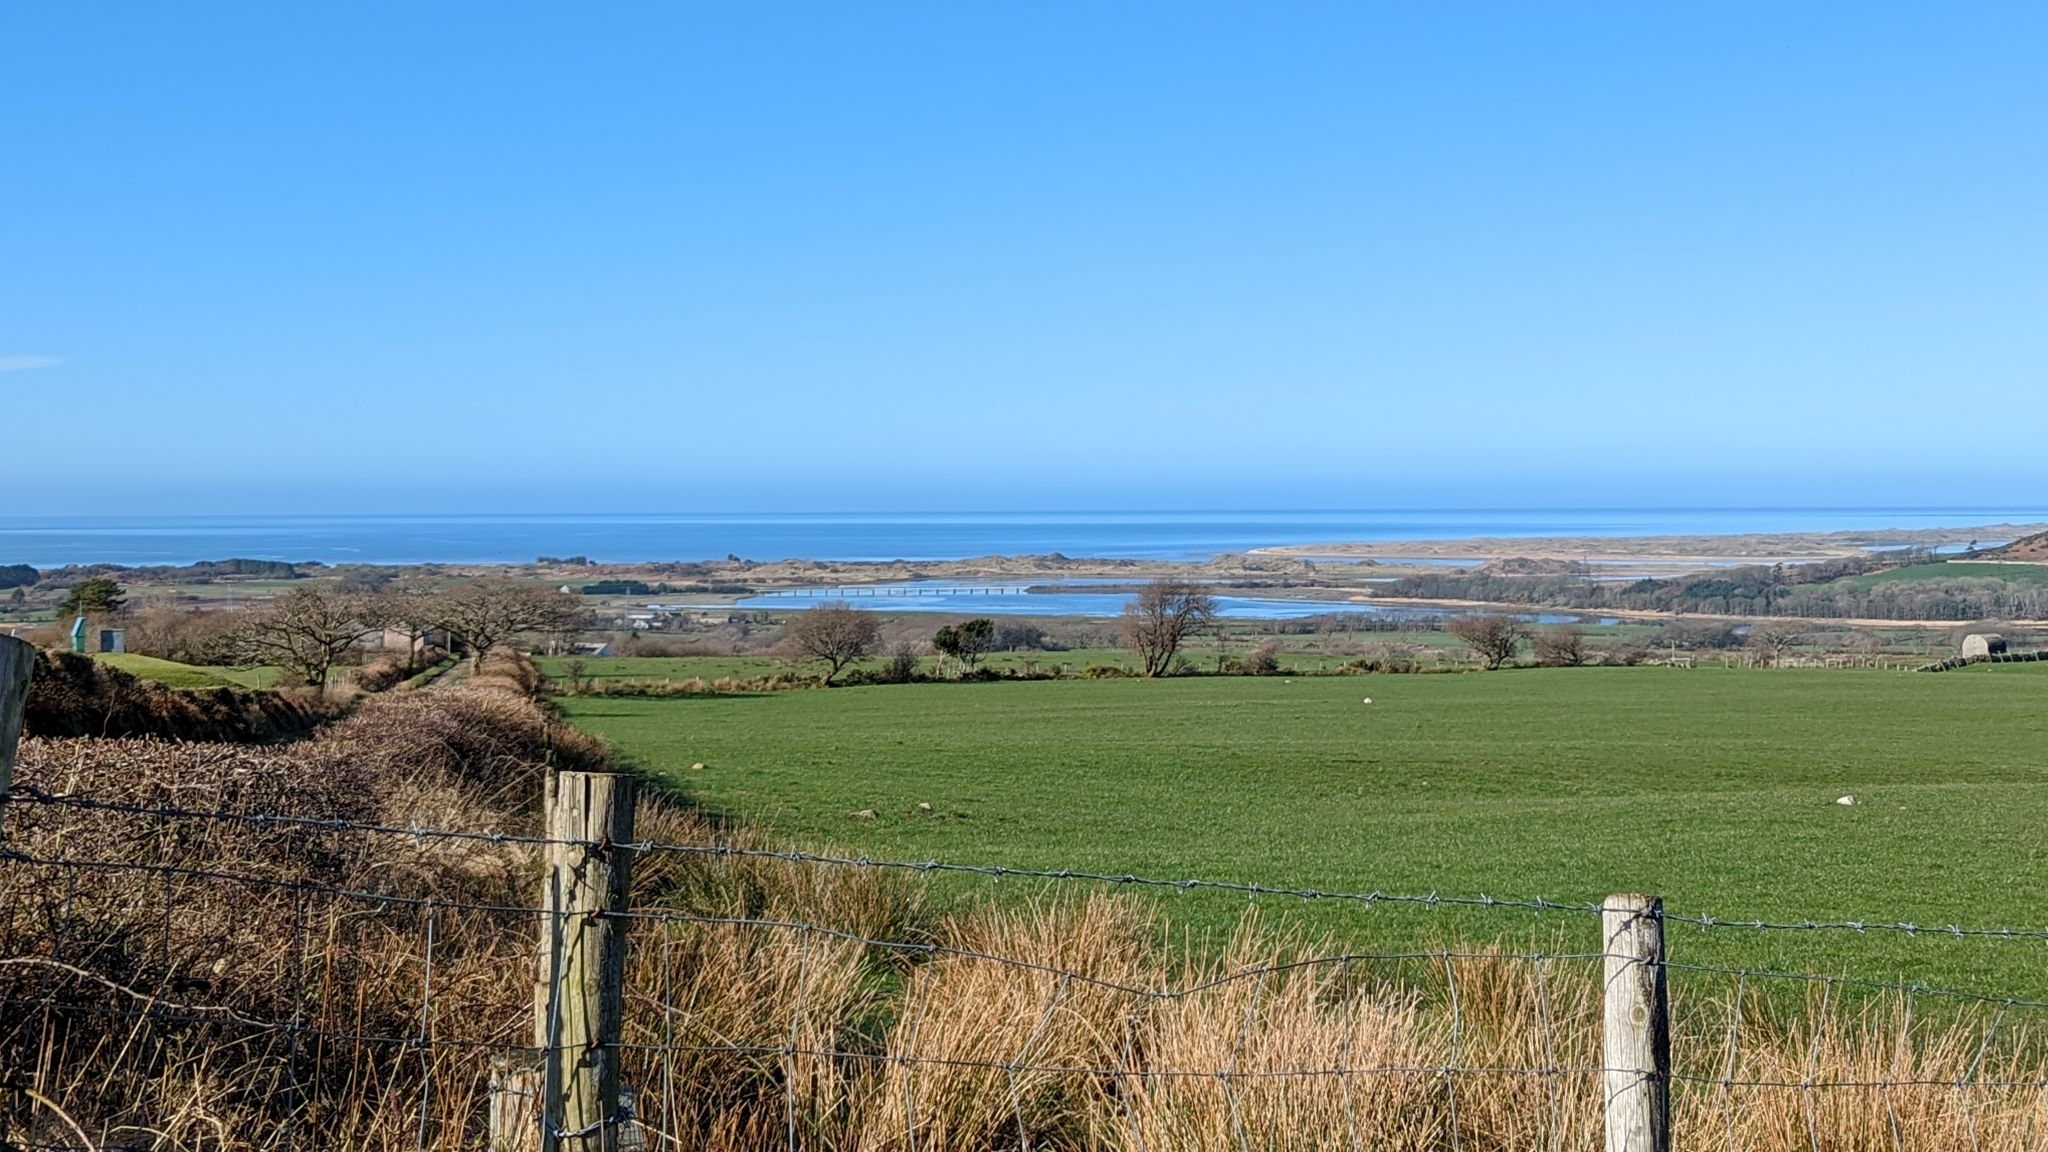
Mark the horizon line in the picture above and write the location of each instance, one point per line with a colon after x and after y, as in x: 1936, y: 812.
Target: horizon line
x: 1014, y: 512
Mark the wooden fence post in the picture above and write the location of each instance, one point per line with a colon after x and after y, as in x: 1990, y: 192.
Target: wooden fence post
x: 17, y: 660
x: 580, y: 1004
x: 1636, y: 1032
x: 514, y: 1105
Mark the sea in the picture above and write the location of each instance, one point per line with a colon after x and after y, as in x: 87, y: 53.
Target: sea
x: 52, y: 542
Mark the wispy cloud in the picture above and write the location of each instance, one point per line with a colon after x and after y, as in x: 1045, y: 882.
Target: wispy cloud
x: 27, y: 363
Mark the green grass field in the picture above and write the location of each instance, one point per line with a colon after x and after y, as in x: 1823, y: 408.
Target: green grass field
x: 172, y: 674
x: 1957, y: 570
x: 1716, y: 789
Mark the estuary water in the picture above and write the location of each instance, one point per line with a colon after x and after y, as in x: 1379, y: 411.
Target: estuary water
x: 50, y: 542
x: 1081, y: 597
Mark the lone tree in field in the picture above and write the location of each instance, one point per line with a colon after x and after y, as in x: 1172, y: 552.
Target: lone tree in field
x: 968, y: 642
x: 1773, y: 641
x: 1161, y: 618
x: 1561, y: 647
x: 305, y: 632
x: 96, y: 597
x: 485, y: 613
x: 1493, y: 637
x: 835, y: 634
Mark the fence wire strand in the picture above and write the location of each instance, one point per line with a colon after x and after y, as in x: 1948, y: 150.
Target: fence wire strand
x: 422, y: 833
x: 68, y: 985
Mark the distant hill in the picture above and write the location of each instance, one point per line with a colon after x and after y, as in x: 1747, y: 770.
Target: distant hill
x: 2034, y: 548
x: 1523, y: 566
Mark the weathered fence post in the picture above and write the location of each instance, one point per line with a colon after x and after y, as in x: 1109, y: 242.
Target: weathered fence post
x: 580, y: 1003
x: 514, y: 1105
x: 17, y: 660
x: 1636, y: 1034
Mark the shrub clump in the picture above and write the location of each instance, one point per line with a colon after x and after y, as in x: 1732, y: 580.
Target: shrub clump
x: 1261, y: 661
x: 72, y: 695
x: 319, y: 923
x: 381, y: 676
x: 698, y: 686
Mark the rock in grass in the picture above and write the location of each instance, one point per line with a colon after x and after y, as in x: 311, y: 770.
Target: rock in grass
x: 697, y: 767
x: 1845, y: 801
x: 863, y: 815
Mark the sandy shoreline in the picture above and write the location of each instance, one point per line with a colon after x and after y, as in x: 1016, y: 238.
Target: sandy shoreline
x: 1336, y: 564
x: 1343, y: 567
x: 1668, y: 554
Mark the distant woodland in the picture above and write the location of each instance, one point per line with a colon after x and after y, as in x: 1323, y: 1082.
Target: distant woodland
x: 1831, y: 590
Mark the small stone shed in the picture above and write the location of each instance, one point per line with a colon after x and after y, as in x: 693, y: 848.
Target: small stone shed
x: 1983, y: 645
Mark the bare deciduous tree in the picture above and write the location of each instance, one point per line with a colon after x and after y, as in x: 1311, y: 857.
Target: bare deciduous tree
x: 305, y: 632
x: 835, y: 634
x: 1161, y: 618
x: 485, y: 613
x: 1561, y: 647
x: 1493, y: 637
x: 1772, y: 641
x: 902, y: 666
x: 188, y: 636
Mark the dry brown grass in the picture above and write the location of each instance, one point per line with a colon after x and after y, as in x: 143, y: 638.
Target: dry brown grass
x: 1867, y: 1077
x: 766, y: 1010
x: 1303, y: 1057
x: 158, y: 988
x: 1254, y: 1049
x: 990, y: 1029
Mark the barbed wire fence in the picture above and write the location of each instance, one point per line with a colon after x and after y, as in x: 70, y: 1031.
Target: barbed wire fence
x: 1499, y: 1048
x: 395, y: 1008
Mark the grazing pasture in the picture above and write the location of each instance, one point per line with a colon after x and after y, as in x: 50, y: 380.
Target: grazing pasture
x: 1716, y: 788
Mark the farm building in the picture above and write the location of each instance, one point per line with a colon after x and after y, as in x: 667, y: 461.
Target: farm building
x: 109, y: 640
x: 1983, y: 645
x: 399, y: 640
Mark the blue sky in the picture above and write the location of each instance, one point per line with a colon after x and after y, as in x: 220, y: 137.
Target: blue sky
x: 762, y: 257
